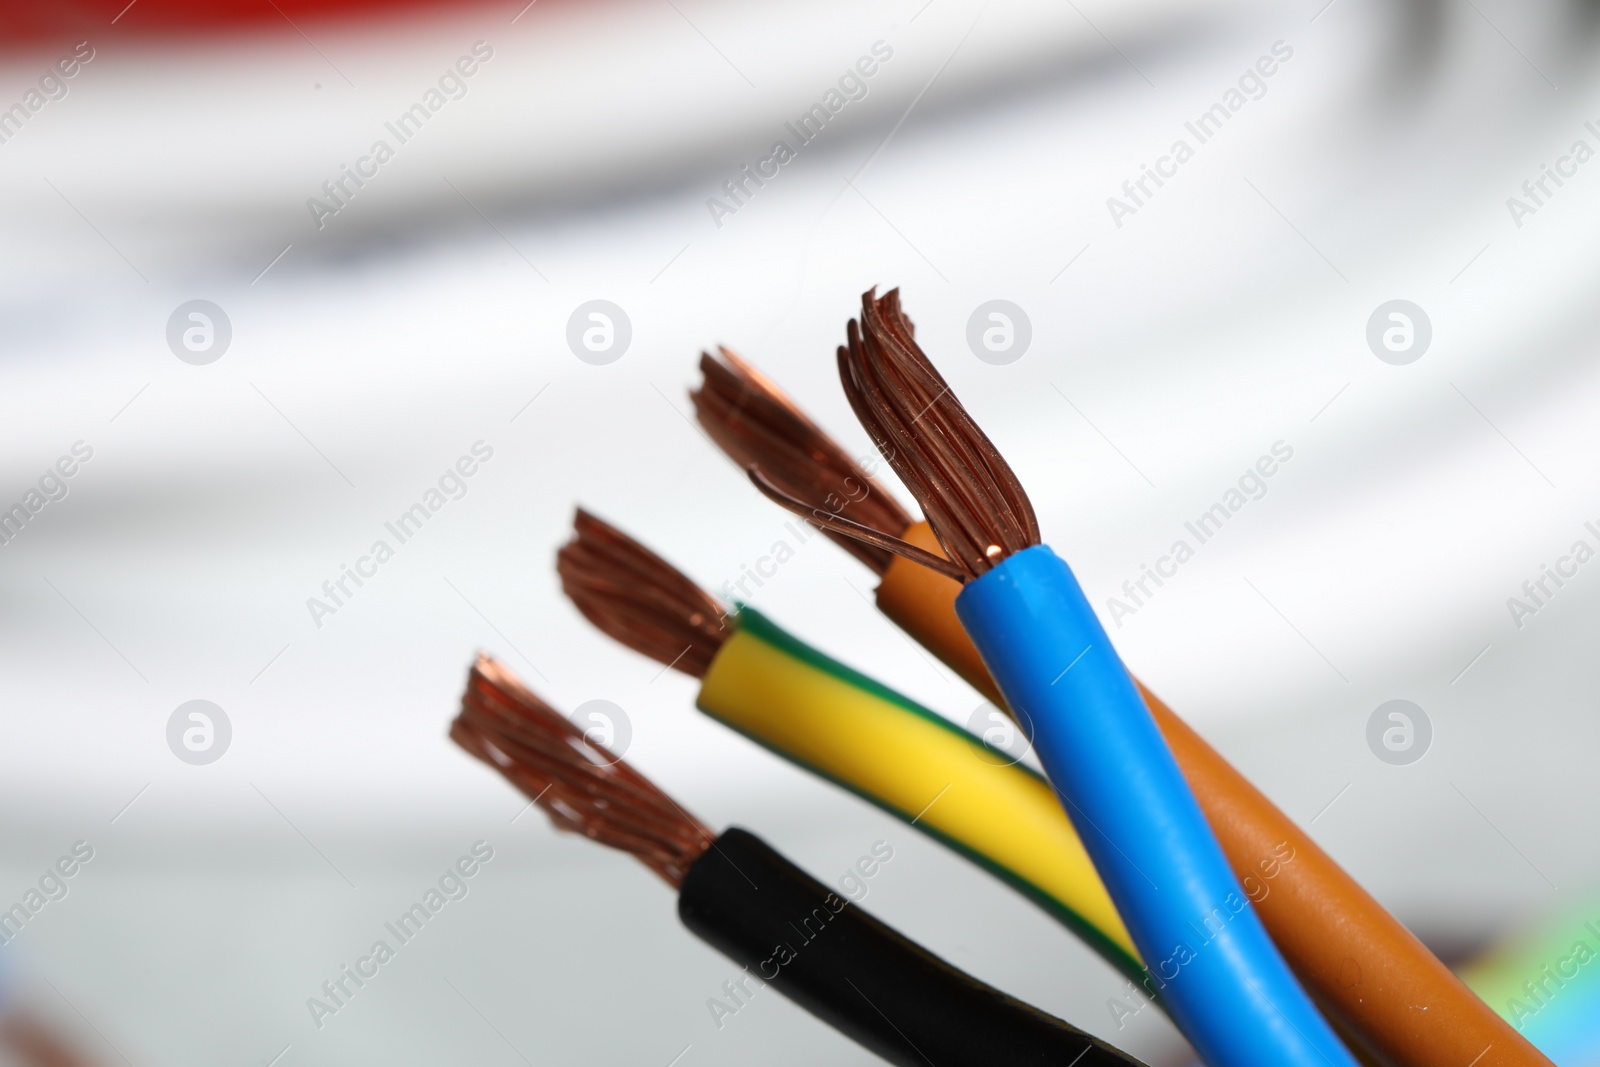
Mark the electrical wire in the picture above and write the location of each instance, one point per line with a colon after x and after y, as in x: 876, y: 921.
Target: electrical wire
x: 580, y: 788
x: 1405, y: 1007
x: 1226, y: 985
x: 745, y: 414
x: 741, y: 897
x: 1372, y: 976
x: 821, y: 715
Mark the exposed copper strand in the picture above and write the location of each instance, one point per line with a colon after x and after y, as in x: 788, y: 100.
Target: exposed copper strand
x: 867, y: 393
x: 757, y: 425
x: 640, y: 599
x: 945, y: 429
x: 980, y: 457
x: 580, y: 785
x: 973, y: 500
x: 855, y: 530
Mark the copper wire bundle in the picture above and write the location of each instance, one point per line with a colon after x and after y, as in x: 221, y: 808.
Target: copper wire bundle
x: 631, y: 593
x: 658, y: 611
x: 748, y: 417
x: 973, y: 501
x: 1374, y: 976
x: 579, y: 785
x: 741, y: 897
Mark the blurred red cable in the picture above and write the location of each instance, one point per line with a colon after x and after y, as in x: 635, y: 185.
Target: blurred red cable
x: 29, y: 24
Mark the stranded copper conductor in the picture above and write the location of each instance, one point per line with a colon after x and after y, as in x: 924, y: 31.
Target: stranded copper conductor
x: 757, y: 426
x: 580, y: 786
x: 639, y: 598
x: 1404, y: 1006
x: 973, y: 501
x: 1366, y: 970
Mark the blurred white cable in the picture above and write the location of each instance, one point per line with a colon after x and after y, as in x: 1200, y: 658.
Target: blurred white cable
x: 215, y: 147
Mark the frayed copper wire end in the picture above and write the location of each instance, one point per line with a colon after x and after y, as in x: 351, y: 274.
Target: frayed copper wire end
x: 581, y: 786
x: 757, y: 425
x: 854, y: 531
x: 973, y: 501
x: 640, y: 599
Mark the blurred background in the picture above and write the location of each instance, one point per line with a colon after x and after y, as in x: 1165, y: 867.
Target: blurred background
x: 358, y: 335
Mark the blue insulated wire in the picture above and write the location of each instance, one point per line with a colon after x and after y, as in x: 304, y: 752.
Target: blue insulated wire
x: 1207, y: 953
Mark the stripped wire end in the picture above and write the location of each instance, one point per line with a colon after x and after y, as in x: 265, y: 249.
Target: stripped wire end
x: 757, y: 425
x: 639, y: 599
x: 974, y: 503
x: 579, y: 784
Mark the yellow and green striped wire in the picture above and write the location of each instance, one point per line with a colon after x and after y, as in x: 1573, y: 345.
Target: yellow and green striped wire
x: 816, y: 712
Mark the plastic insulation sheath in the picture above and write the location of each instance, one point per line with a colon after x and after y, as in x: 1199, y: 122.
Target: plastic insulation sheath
x: 1225, y: 984
x: 1366, y: 970
x: 923, y: 769
x: 923, y: 604
x: 860, y: 976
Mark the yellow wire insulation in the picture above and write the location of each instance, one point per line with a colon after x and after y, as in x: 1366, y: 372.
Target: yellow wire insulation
x: 914, y: 764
